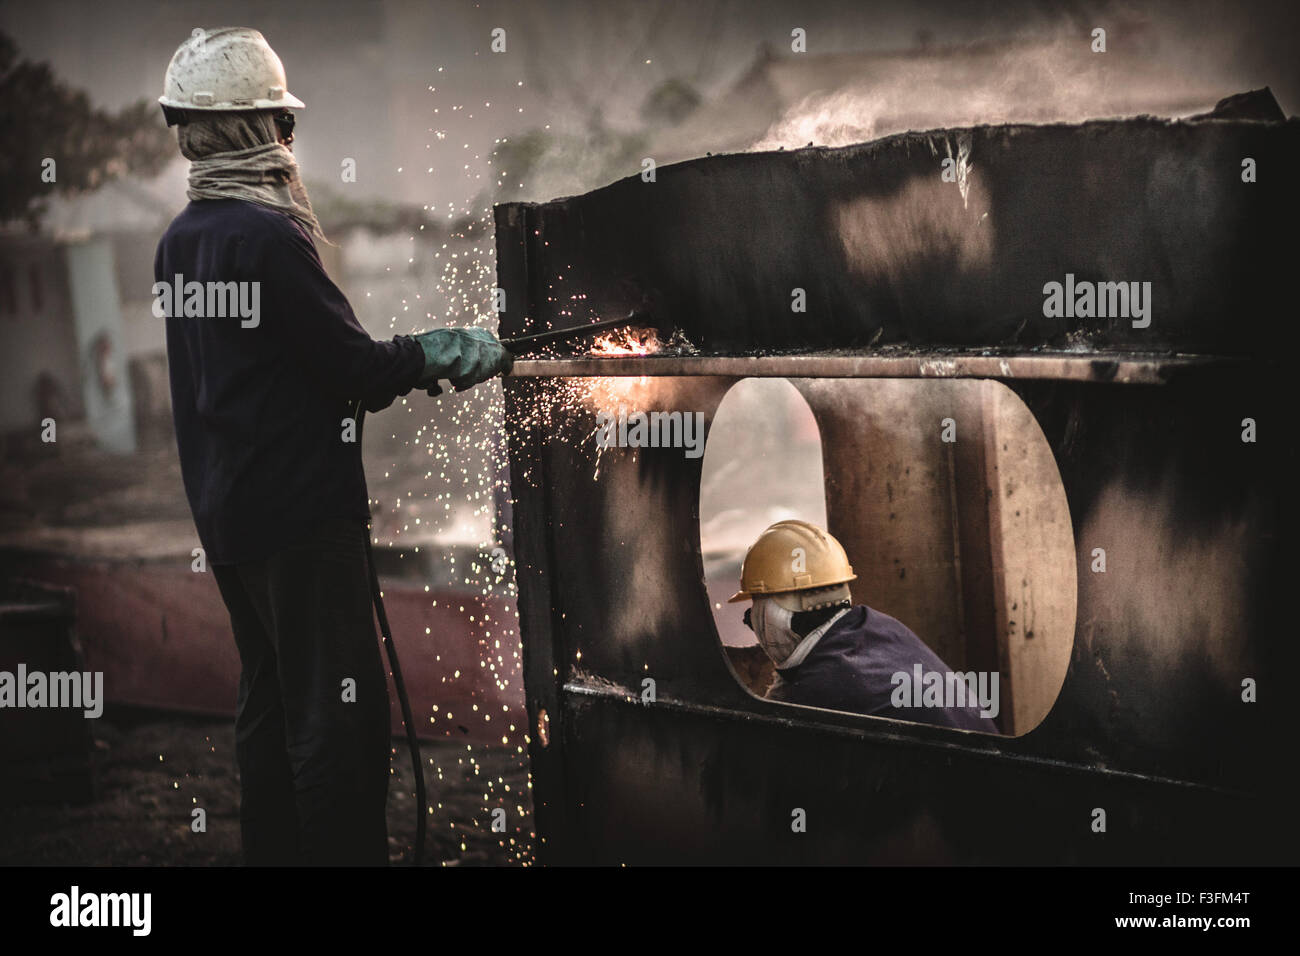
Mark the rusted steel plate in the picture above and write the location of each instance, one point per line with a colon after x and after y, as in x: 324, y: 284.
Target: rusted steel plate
x: 1117, y: 369
x: 161, y: 635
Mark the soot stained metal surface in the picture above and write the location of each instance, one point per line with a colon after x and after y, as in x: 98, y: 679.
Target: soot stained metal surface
x: 889, y: 254
x: 1197, y: 525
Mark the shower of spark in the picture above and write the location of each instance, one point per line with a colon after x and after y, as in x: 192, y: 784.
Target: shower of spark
x: 448, y: 477
x: 565, y: 408
x: 460, y: 440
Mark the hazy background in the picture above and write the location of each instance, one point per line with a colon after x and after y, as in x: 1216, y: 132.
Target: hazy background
x: 589, y: 69
x: 440, y: 128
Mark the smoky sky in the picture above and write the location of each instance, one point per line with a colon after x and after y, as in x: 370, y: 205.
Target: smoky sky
x: 414, y: 95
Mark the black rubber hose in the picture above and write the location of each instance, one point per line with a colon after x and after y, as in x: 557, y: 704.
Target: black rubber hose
x: 421, y: 798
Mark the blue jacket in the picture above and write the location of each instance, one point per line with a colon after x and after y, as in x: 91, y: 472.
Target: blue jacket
x: 851, y: 668
x: 259, y: 408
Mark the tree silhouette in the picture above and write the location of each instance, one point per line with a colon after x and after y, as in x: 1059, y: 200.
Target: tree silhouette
x: 45, y: 119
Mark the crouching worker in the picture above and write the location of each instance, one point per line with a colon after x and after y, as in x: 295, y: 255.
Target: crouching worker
x: 829, y: 653
x: 269, y: 369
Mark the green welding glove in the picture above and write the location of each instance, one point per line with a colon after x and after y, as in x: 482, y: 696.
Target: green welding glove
x: 465, y: 356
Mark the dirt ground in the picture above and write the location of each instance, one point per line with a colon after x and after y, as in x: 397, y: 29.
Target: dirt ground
x: 152, y: 770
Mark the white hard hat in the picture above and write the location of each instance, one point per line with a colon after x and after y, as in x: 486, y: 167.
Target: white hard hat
x: 228, y: 68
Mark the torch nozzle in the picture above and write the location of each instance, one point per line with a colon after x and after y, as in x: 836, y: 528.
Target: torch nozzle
x: 525, y: 344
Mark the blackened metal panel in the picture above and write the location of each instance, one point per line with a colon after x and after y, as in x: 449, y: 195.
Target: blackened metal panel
x: 1150, y: 715
x: 533, y: 560
x: 882, y: 246
x: 683, y: 786
x: 1150, y: 723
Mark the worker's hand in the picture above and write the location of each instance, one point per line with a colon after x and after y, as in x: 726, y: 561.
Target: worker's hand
x: 466, y: 356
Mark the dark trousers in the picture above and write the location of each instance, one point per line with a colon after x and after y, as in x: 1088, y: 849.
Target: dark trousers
x: 312, y: 730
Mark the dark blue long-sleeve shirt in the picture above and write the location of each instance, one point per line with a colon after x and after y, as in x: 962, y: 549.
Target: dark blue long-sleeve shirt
x: 259, y: 404
x: 852, y: 668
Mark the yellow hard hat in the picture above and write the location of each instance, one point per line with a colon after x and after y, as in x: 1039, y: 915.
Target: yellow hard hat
x: 792, y: 557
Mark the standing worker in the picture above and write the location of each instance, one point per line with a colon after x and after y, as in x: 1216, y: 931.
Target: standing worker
x: 268, y: 367
x: 829, y: 653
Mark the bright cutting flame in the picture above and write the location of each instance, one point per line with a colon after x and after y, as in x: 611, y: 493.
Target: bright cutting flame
x: 627, y: 342
x: 615, y: 391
